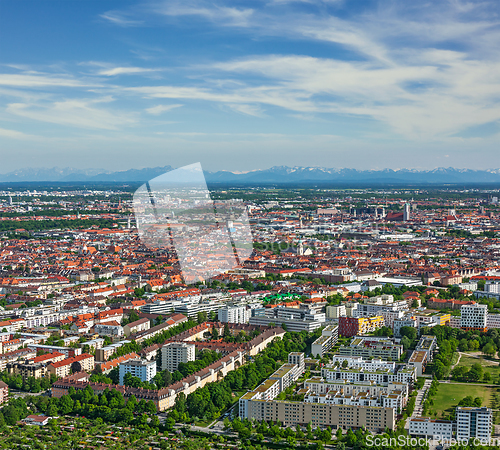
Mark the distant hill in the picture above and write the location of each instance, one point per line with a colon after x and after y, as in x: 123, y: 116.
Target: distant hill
x: 274, y: 175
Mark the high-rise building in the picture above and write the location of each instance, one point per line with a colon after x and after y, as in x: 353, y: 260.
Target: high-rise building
x: 474, y: 317
x: 475, y: 423
x: 174, y: 353
x: 140, y: 368
x: 234, y: 314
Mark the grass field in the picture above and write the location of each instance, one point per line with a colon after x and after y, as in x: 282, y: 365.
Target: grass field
x: 448, y: 396
x: 489, y: 365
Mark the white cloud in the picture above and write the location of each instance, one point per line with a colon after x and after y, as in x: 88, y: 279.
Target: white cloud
x: 124, y: 71
x: 36, y: 81
x: 159, y: 109
x: 13, y: 134
x: 117, y: 18
x: 73, y: 113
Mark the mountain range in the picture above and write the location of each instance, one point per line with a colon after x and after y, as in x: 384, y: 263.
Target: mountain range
x: 274, y: 175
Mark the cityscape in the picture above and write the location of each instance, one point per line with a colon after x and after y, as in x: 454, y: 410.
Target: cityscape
x: 249, y: 225
x: 358, y: 314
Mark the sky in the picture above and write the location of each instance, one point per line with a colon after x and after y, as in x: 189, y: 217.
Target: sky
x: 246, y: 85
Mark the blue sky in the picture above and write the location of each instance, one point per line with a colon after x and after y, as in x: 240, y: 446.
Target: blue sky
x: 243, y: 85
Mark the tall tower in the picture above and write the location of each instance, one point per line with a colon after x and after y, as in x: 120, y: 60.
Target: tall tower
x: 406, y: 213
x: 128, y: 223
x: 300, y: 249
x: 10, y: 200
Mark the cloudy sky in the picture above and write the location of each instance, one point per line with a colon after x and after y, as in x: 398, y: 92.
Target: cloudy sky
x: 242, y: 85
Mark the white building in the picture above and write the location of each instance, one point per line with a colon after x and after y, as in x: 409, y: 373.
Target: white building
x: 430, y: 428
x: 174, y: 353
x: 329, y: 337
x: 493, y: 321
x: 474, y: 423
x: 474, y: 316
x: 140, y: 368
x: 492, y: 286
x: 402, y: 322
x: 234, y: 314
x: 335, y: 311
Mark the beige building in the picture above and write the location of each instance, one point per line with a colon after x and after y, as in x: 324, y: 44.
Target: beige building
x: 374, y: 418
x: 80, y: 363
x: 136, y: 327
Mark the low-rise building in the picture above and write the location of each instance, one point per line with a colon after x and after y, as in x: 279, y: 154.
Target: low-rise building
x: 431, y: 428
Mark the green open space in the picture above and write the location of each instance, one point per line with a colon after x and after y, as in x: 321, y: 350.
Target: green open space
x: 449, y: 395
x: 487, y: 363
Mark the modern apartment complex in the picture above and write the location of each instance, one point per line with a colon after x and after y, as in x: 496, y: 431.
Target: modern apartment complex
x: 234, y: 314
x: 329, y: 337
x: 474, y: 317
x: 474, y: 423
x: 354, y: 326
x: 372, y: 347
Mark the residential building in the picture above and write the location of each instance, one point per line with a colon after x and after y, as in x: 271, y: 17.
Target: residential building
x: 335, y: 311
x: 4, y: 392
x: 80, y: 363
x: 474, y: 423
x: 431, y: 428
x: 140, y: 368
x: 353, y: 326
x: 368, y: 347
x: 474, y: 317
x: 234, y: 314
x: 136, y: 326
x: 174, y: 353
x: 329, y: 337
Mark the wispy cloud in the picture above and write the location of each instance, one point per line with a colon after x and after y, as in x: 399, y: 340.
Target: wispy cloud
x: 74, y: 113
x: 125, y: 71
x: 117, y: 18
x: 13, y: 134
x: 159, y: 109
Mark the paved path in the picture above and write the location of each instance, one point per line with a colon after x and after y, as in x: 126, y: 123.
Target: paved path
x: 421, y: 393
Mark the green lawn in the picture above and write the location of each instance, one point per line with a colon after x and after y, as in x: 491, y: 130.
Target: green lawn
x: 448, y: 396
x: 489, y: 365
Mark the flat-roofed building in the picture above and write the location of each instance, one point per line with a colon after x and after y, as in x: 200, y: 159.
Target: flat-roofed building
x: 372, y: 347
x: 474, y: 423
x: 140, y: 368
x: 329, y: 337
x: 374, y: 418
x: 474, y: 317
x: 431, y: 428
x: 174, y: 353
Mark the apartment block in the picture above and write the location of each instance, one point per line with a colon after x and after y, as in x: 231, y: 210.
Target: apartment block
x: 371, y: 347
x: 234, y: 314
x: 174, y: 353
x: 431, y: 428
x: 474, y: 423
x: 335, y: 311
x: 329, y: 337
x: 353, y: 326
x: 474, y: 317
x: 140, y: 368
x: 374, y: 418
x: 80, y: 363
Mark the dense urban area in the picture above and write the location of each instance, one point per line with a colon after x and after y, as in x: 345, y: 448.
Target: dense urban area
x: 363, y: 318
